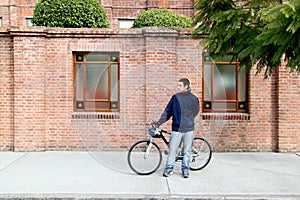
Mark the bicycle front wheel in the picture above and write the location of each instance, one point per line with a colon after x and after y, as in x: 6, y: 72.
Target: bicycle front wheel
x: 201, y: 154
x: 144, y: 157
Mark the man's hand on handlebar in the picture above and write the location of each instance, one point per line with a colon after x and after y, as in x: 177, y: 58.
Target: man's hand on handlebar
x: 155, y: 124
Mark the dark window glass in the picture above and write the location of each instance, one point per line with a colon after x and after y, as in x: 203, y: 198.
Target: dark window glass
x: 224, y: 85
x: 96, y: 81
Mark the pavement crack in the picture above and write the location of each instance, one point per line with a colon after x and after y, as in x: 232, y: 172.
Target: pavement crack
x: 12, y: 162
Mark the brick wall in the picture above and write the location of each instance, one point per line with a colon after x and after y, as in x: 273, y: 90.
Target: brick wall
x: 15, y: 12
x: 25, y: 10
x: 6, y: 91
x: 288, y: 111
x: 29, y: 91
x: 37, y: 93
x: 36, y: 83
x: 128, y: 9
x: 4, y: 10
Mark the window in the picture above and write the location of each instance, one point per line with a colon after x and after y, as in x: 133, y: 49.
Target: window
x: 96, y: 81
x: 29, y: 21
x: 125, y: 23
x: 224, y: 85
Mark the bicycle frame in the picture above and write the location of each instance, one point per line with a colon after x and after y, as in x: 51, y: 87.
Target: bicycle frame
x: 144, y: 156
x: 161, y: 135
x: 179, y: 155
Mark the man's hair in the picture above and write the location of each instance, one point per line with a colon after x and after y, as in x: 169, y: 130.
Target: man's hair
x: 185, y: 82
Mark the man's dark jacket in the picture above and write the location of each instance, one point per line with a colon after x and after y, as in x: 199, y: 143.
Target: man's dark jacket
x: 183, y: 108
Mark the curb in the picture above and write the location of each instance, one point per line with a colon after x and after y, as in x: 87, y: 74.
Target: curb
x: 145, y: 197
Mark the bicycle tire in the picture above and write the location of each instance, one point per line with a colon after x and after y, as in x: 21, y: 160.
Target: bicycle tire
x: 141, y: 164
x: 201, y: 154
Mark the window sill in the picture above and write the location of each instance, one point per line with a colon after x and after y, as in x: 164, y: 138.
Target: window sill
x: 95, y: 115
x: 225, y: 116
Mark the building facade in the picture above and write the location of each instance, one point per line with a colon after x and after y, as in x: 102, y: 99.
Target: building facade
x: 95, y: 89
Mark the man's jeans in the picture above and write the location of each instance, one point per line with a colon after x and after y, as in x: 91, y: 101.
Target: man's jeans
x: 175, y: 139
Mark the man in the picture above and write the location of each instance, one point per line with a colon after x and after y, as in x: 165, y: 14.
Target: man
x: 183, y: 107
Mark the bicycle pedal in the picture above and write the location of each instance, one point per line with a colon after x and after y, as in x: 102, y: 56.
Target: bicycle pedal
x: 166, y: 152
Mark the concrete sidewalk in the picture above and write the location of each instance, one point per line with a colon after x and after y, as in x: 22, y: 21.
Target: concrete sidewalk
x: 106, y: 175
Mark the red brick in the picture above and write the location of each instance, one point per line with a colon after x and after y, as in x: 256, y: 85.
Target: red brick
x: 36, y: 85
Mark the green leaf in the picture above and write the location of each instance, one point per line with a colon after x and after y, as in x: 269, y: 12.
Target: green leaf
x: 162, y: 18
x: 258, y: 32
x: 70, y: 14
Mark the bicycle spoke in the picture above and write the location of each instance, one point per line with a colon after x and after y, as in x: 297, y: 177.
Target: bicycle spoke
x: 144, y: 160
x: 201, y: 154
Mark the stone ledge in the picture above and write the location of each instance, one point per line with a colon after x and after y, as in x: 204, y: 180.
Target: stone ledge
x: 95, y: 115
x: 93, y: 32
x: 225, y: 116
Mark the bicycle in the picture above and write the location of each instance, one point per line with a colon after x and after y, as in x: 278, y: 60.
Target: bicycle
x: 144, y: 157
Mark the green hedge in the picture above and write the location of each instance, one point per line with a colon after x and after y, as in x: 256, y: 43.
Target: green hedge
x: 70, y: 14
x: 162, y: 18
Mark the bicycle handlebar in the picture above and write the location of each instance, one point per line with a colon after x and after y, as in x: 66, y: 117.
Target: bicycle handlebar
x: 155, y: 130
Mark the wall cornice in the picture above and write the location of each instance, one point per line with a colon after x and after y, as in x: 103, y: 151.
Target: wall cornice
x: 93, y: 32
x: 27, y: 31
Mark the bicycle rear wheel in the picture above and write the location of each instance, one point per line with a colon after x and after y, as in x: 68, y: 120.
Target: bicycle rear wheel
x: 201, y: 154
x: 144, y: 157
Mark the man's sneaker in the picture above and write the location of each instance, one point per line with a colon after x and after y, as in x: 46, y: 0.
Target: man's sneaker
x: 167, y: 172
x: 185, y: 174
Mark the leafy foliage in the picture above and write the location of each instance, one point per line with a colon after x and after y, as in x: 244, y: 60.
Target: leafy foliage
x: 70, y: 14
x: 162, y: 18
x: 279, y: 36
x: 256, y: 32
